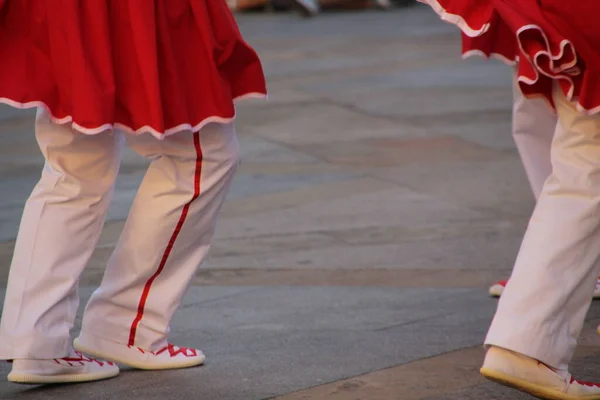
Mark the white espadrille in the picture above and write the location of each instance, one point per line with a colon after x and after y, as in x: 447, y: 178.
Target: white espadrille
x: 77, y: 368
x: 168, y: 357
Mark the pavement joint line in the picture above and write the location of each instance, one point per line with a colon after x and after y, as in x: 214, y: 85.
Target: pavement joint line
x: 383, y: 370
x: 224, y: 297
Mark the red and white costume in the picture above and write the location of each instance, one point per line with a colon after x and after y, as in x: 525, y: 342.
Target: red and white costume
x: 555, y: 43
x: 498, y: 41
x: 161, y: 75
x: 159, y: 66
x: 532, y: 341
x: 533, y: 122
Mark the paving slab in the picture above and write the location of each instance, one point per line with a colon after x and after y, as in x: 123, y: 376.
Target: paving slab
x: 315, y: 335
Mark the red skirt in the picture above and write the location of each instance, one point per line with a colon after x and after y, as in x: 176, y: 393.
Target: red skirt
x: 557, y: 42
x: 156, y: 66
x: 497, y: 42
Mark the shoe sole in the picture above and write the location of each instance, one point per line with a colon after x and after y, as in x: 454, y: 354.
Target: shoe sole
x: 530, y: 388
x: 148, y: 367
x: 33, y: 379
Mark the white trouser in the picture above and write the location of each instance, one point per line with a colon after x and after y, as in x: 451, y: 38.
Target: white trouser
x: 166, y: 236
x: 542, y: 310
x: 533, y: 126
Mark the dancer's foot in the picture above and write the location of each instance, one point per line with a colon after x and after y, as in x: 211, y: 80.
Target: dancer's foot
x: 531, y: 376
x: 77, y: 368
x: 169, y: 357
x: 497, y: 289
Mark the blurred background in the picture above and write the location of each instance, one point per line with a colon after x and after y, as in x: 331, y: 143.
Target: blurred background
x: 309, y: 8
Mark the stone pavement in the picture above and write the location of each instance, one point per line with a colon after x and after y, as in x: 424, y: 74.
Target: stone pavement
x: 379, y: 195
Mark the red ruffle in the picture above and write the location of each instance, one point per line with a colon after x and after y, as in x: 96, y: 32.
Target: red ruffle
x: 471, y: 16
x: 557, y: 42
x: 157, y: 66
x: 497, y: 42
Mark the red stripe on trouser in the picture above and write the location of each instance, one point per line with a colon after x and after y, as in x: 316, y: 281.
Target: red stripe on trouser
x: 169, y: 248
